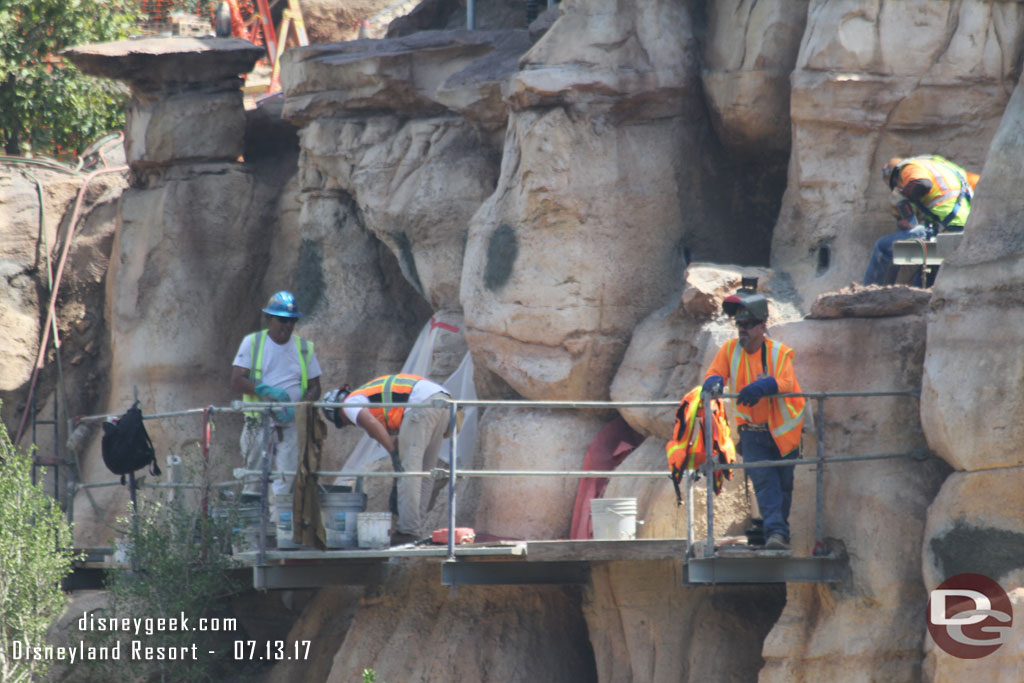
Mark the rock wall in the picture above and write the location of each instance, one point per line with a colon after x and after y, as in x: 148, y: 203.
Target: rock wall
x: 876, y: 80
x: 583, y: 199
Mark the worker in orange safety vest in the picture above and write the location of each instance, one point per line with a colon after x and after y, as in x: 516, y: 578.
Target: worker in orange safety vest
x: 412, y: 436
x: 758, y: 368
x: 929, y: 194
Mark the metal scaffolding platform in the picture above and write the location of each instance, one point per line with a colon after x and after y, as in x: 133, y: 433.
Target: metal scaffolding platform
x: 503, y: 563
x: 534, y: 562
x: 764, y: 566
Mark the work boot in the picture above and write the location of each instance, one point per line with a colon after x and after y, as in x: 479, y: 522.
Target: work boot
x: 776, y: 542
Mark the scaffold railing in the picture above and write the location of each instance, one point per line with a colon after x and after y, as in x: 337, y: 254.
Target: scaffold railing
x: 453, y: 473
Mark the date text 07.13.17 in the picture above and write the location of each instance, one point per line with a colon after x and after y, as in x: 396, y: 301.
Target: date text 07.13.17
x: 276, y: 650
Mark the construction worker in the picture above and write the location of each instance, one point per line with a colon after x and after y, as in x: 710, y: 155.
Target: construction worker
x: 275, y: 364
x: 930, y: 195
x: 758, y: 368
x: 411, y: 435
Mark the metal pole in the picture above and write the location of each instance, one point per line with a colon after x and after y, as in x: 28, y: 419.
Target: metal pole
x: 689, y: 510
x: 819, y: 491
x: 452, y: 463
x: 709, y: 471
x: 470, y: 15
x: 268, y: 451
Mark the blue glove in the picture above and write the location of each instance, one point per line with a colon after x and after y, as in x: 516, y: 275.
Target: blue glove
x: 755, y: 391
x: 269, y: 393
x: 713, y: 384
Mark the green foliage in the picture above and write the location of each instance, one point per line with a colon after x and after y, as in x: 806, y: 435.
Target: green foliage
x: 179, y: 569
x: 369, y: 676
x: 35, y: 554
x: 47, y: 104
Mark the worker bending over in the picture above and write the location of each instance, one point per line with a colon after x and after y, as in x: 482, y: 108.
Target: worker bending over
x: 758, y: 368
x: 930, y: 195
x: 275, y: 365
x: 411, y: 435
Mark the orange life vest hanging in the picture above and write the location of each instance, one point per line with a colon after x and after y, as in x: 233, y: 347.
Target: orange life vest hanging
x: 686, y: 450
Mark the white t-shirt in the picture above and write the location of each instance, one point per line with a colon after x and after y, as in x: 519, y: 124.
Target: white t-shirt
x: 281, y: 367
x: 421, y: 391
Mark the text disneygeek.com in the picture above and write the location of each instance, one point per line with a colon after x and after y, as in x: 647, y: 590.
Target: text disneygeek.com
x: 134, y: 649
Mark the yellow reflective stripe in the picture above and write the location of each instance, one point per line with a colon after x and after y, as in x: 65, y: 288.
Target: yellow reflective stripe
x: 690, y: 429
x: 792, y: 422
x: 258, y: 340
x: 947, y: 185
x: 385, y: 395
x: 305, y: 350
x: 302, y: 347
x: 256, y: 371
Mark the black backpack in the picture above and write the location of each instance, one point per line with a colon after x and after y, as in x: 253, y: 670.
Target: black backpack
x: 126, y: 446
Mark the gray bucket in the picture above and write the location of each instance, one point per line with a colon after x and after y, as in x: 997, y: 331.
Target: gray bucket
x: 245, y: 536
x: 283, y: 521
x: 339, y: 511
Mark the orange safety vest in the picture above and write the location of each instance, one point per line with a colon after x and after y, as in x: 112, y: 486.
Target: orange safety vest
x: 687, y: 449
x: 949, y: 200
x: 388, y: 389
x: 787, y: 413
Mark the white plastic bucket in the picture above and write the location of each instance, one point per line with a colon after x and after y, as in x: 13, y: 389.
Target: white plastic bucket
x: 614, y: 518
x: 283, y: 521
x: 339, y: 512
x: 374, y: 529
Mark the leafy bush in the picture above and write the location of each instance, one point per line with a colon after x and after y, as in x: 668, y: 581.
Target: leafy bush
x: 179, y: 569
x: 35, y: 554
x: 46, y: 104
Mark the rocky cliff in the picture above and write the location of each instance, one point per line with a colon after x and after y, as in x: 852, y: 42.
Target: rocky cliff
x: 577, y: 202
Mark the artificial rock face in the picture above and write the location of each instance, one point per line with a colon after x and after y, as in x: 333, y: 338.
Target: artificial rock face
x: 974, y: 380
x: 751, y: 50
x: 174, y: 81
x: 874, y: 82
x: 417, y: 164
x: 590, y: 175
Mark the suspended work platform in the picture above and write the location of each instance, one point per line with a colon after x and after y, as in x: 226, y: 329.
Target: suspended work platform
x: 557, y: 562
x: 741, y: 564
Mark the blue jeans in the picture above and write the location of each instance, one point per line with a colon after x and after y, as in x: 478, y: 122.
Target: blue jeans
x: 773, y: 486
x: 881, y: 256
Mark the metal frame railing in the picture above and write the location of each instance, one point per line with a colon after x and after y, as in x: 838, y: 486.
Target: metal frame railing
x: 453, y: 473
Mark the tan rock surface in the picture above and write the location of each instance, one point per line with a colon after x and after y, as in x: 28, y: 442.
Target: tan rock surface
x: 20, y: 254
x: 875, y: 508
x: 397, y: 75
x: 416, y: 183
x: 870, y: 302
x: 977, y: 312
x: 751, y: 50
x: 530, y: 439
x: 875, y: 82
x: 973, y: 526
x: 411, y: 628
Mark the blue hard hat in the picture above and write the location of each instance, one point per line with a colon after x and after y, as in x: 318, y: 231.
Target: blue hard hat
x: 282, y: 305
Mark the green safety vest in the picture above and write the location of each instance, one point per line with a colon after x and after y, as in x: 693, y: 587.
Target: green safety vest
x: 302, y: 346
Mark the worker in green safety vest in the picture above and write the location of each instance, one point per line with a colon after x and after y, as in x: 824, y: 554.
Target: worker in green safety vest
x: 275, y: 364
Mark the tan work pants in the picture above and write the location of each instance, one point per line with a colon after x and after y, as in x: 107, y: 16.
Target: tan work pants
x: 419, y: 441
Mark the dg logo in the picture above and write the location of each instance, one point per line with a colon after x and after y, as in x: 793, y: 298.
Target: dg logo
x: 969, y: 616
